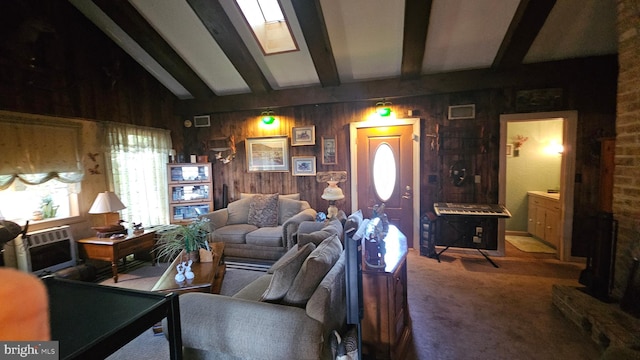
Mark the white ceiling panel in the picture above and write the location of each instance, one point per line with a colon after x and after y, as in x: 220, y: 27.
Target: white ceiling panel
x: 176, y: 22
x: 569, y: 31
x: 366, y: 37
x: 281, y: 70
x: 466, y: 34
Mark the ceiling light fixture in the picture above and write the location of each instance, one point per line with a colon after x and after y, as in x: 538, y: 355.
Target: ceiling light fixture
x: 268, y: 117
x: 382, y: 108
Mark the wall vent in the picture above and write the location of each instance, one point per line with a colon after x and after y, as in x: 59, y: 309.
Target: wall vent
x: 460, y: 112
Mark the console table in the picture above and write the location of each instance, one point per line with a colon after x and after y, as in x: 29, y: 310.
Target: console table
x: 107, y: 249
x: 386, y: 325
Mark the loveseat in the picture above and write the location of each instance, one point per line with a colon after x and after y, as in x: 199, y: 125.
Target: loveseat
x: 259, y: 226
x: 288, y: 313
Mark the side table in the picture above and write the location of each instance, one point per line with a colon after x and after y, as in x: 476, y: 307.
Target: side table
x: 111, y: 250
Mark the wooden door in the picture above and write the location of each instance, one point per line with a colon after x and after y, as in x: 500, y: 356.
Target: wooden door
x: 393, y: 148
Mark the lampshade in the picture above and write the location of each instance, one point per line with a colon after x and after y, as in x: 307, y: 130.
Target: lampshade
x: 268, y: 117
x: 332, y: 192
x: 383, y: 109
x: 106, y: 202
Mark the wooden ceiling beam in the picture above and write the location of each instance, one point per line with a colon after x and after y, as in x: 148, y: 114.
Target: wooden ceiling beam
x: 525, y: 26
x: 128, y: 18
x: 314, y: 29
x: 213, y: 17
x: 416, y: 24
x: 539, y: 75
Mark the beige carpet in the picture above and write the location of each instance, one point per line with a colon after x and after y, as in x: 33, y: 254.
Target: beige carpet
x: 529, y: 244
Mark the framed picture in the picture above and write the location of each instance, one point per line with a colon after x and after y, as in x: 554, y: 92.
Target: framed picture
x: 303, y: 165
x: 304, y: 135
x: 267, y: 153
x: 509, y: 150
x: 329, y: 155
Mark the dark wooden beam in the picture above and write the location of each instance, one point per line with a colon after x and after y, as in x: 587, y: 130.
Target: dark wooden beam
x: 539, y: 75
x: 220, y: 27
x: 416, y: 25
x: 128, y: 18
x: 311, y: 19
x: 525, y: 26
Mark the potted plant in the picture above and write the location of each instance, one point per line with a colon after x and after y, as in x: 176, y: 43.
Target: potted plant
x: 190, y: 238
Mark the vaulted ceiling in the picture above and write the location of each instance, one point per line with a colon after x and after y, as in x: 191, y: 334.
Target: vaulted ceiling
x: 204, y: 52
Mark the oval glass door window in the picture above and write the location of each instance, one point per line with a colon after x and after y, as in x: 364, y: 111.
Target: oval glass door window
x: 384, y: 171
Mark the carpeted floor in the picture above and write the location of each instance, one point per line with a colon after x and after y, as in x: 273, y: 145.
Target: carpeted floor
x: 464, y: 308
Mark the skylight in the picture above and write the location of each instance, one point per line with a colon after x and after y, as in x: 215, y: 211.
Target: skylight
x: 269, y: 25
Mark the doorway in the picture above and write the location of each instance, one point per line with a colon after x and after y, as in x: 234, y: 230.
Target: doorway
x: 391, y: 147
x: 565, y: 184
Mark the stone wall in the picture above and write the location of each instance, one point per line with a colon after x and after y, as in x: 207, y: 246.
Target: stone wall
x: 626, y: 188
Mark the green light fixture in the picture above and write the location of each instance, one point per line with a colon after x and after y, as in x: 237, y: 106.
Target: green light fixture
x: 268, y: 117
x: 383, y: 109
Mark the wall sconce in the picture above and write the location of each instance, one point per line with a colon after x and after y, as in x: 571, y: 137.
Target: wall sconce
x: 332, y: 192
x: 383, y: 108
x: 268, y: 117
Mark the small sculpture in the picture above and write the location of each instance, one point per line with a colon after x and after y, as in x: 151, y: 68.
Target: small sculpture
x: 180, y: 275
x: 187, y: 271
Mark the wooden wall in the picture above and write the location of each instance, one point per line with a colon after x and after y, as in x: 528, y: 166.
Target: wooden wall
x: 54, y: 61
x: 593, y: 97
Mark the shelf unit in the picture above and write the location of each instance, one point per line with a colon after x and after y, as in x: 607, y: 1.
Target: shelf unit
x: 190, y: 191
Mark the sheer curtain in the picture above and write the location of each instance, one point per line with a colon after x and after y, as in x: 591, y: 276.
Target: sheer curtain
x: 136, y: 158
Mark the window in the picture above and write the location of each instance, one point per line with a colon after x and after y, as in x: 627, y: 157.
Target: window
x: 137, y: 161
x: 40, y: 170
x: 51, y: 200
x: 384, y: 171
x: 268, y: 24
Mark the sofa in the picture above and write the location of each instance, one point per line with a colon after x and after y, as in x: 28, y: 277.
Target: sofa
x: 259, y: 226
x: 289, y: 312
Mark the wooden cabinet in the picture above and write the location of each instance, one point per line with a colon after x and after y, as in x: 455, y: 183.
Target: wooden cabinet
x: 386, y: 324
x: 544, y: 217
x: 190, y: 191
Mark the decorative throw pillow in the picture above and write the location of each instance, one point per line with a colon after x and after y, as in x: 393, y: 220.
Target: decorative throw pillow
x: 313, y: 270
x: 238, y: 211
x: 263, y: 210
x: 284, y: 274
x: 284, y: 258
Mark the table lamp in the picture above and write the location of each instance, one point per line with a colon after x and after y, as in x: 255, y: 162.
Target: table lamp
x: 332, y: 192
x: 107, y: 203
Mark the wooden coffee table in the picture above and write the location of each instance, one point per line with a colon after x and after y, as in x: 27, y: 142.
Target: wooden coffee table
x: 208, y: 275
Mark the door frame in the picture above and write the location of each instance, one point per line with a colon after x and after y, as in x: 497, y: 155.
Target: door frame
x: 353, y: 134
x: 567, y: 174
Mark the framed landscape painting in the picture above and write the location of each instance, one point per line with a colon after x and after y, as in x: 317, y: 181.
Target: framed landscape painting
x: 304, y: 165
x: 267, y: 154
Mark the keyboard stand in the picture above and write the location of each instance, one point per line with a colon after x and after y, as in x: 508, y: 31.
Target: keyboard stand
x: 453, y: 226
